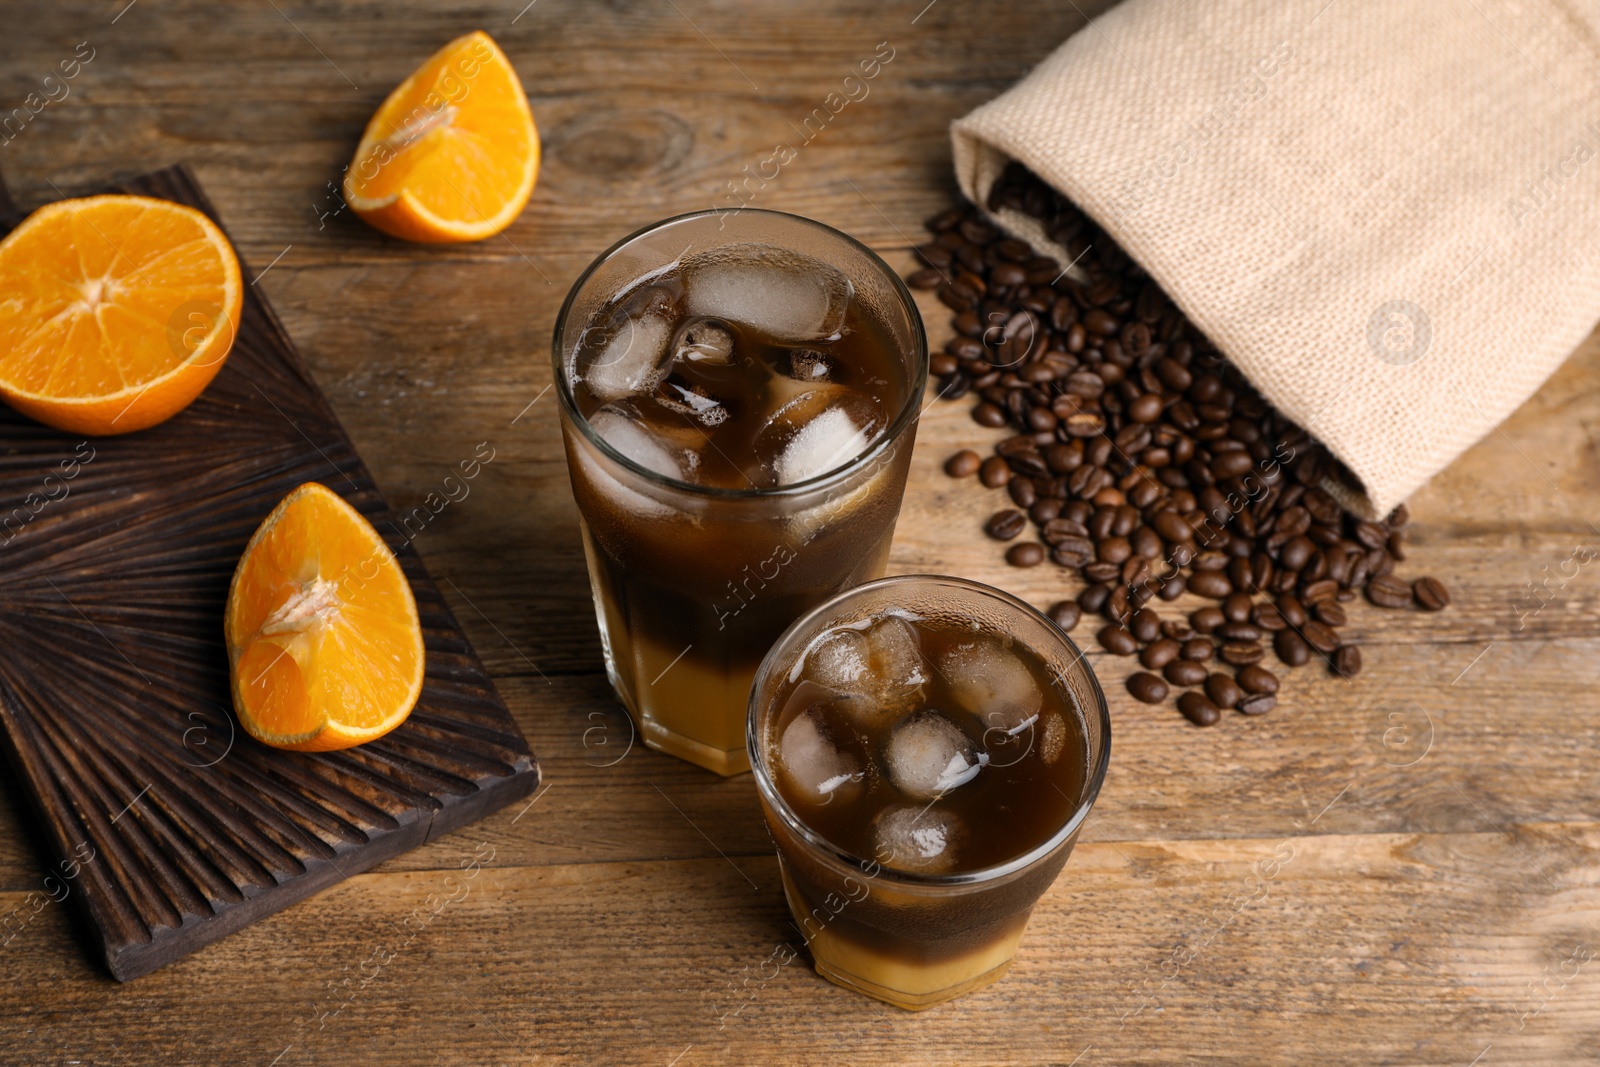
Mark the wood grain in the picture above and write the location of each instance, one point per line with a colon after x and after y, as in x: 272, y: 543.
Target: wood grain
x: 1441, y: 806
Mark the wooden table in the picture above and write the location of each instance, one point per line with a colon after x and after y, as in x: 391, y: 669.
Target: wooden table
x: 1435, y: 819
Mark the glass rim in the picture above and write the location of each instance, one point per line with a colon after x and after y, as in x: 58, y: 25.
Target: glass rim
x: 1099, y: 760
x: 908, y: 413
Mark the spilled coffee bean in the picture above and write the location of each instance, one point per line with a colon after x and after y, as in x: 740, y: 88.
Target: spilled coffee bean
x: 1148, y: 463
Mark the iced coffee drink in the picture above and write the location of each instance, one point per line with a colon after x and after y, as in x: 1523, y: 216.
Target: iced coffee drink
x: 739, y: 398
x: 926, y: 751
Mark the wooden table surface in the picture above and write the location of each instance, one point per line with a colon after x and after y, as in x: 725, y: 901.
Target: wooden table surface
x: 1435, y: 820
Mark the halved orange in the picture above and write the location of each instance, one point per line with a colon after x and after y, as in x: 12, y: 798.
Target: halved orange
x: 452, y: 154
x: 115, y: 312
x: 324, y: 644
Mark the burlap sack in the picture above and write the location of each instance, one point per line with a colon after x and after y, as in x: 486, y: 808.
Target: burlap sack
x: 1386, y: 212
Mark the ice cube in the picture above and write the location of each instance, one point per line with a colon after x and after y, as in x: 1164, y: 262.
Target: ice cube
x: 927, y: 755
x: 809, y: 365
x: 690, y: 401
x: 876, y: 671
x: 811, y: 759
x: 704, y: 341
x: 785, y: 294
x: 989, y: 681
x: 838, y: 660
x: 918, y: 839
x: 652, y: 447
x: 813, y: 430
x: 1052, y: 736
x: 830, y: 440
x: 894, y: 662
x: 631, y: 355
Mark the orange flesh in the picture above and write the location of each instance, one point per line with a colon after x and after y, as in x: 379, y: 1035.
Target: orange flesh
x: 322, y: 628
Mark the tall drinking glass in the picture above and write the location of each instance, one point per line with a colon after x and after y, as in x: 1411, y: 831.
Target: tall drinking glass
x: 739, y: 397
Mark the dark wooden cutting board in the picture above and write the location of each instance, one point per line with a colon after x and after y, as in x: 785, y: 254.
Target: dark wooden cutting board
x: 168, y: 825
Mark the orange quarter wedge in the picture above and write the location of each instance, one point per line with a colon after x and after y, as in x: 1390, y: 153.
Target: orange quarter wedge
x: 452, y: 154
x: 324, y: 644
x: 115, y: 312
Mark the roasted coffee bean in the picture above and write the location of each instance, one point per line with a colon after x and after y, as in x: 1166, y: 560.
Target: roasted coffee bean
x: 1173, y: 588
x: 994, y: 472
x: 1231, y: 465
x: 1239, y: 631
x: 1062, y: 528
x: 1045, y: 511
x: 1099, y: 323
x: 1146, y: 409
x: 925, y: 279
x: 1257, y: 679
x: 1159, y: 653
x: 1101, y: 572
x: 1004, y: 525
x: 1347, y: 661
x: 963, y: 464
x: 1184, y: 672
x: 1316, y: 592
x: 1023, y: 492
x: 1173, y: 374
x: 1207, y: 619
x: 1027, y: 554
x: 1223, y: 691
x: 1198, y: 710
x: 1269, y: 618
x: 1146, y: 543
x: 1114, y: 549
x: 1028, y: 464
x: 1387, y: 591
x: 1241, y: 653
x: 1296, y: 553
x: 1371, y: 535
x: 1211, y: 584
x: 1094, y: 597
x: 1146, y: 625
x: 1064, y: 457
x: 1236, y: 608
x: 1176, y: 629
x: 1293, y: 612
x: 1147, y: 688
x: 1239, y: 574
x: 1430, y: 593
x: 1118, y: 606
x: 1291, y: 648
x: 1007, y: 275
x: 1071, y: 551
x: 1065, y: 614
x: 1258, y: 703
x: 1320, y: 636
x: 1117, y: 640
x: 1198, y: 649
x: 1332, y: 613
x: 1172, y: 528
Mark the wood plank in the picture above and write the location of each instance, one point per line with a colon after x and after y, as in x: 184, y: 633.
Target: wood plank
x: 1406, y: 747
x: 620, y: 153
x: 1143, y: 952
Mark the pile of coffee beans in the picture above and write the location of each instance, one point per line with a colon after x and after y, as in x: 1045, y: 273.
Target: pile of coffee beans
x: 1148, y: 464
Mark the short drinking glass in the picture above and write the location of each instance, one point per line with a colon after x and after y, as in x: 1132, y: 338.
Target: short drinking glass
x: 926, y: 750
